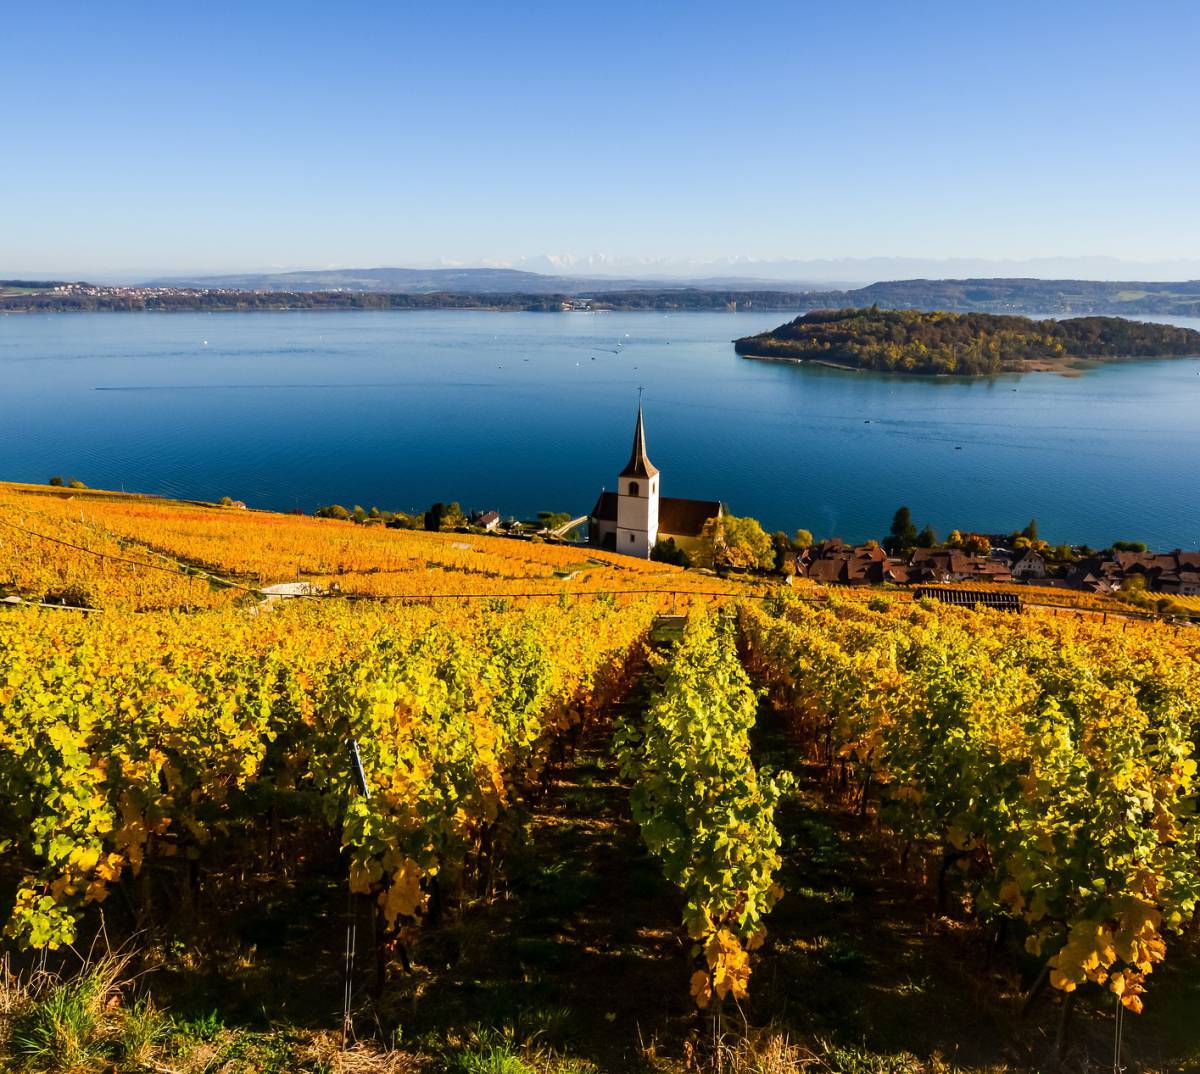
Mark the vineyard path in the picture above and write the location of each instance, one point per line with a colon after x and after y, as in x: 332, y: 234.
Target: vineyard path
x: 583, y: 950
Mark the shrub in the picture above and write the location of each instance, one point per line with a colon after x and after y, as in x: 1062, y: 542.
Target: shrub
x: 333, y: 510
x: 667, y: 551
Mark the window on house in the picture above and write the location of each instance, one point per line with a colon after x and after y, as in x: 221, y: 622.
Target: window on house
x: 631, y: 537
x: 633, y: 488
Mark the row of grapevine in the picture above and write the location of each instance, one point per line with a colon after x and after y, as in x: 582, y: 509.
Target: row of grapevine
x: 1049, y: 765
x: 92, y: 567
x: 134, y: 741
x: 141, y: 545
x: 269, y: 546
x: 703, y: 809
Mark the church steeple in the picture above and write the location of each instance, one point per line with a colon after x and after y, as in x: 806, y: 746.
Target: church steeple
x: 639, y: 464
x: 637, y: 498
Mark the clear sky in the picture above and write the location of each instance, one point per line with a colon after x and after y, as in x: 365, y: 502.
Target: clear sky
x: 225, y: 136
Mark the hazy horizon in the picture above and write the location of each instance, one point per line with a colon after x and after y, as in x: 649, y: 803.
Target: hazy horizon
x: 831, y: 272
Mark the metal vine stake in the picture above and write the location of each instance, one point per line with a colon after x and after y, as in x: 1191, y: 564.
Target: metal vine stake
x: 359, y: 783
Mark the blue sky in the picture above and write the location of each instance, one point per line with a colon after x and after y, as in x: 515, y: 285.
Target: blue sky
x: 145, y: 138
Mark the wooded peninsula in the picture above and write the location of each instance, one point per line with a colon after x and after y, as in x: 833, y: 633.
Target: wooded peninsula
x: 963, y: 344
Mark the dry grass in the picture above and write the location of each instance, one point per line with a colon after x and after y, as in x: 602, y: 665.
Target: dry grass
x: 771, y: 1051
x: 325, y: 1051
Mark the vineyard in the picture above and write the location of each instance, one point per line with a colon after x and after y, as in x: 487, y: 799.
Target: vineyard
x: 479, y: 804
x: 106, y: 550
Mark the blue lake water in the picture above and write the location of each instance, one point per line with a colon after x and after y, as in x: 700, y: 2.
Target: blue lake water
x: 525, y: 412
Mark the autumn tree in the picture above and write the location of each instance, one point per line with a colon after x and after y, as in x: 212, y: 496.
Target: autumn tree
x: 731, y: 543
x: 976, y: 544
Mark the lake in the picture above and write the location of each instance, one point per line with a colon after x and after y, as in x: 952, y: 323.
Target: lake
x: 526, y: 412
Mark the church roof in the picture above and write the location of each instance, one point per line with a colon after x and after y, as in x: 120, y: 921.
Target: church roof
x: 685, y: 518
x: 676, y: 517
x: 639, y: 464
x: 605, y: 507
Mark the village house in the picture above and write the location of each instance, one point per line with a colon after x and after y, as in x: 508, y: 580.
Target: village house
x: 949, y: 565
x: 836, y: 563
x: 635, y: 517
x: 487, y: 520
x: 1177, y: 572
x: 1027, y: 564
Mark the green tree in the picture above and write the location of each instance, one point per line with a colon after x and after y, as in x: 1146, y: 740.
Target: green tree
x: 332, y: 510
x: 444, y: 516
x: 927, y: 538
x: 785, y: 551
x: 1030, y: 531
x: 731, y: 543
x: 803, y: 540
x: 667, y: 551
x: 57, y: 481
x: 903, y: 533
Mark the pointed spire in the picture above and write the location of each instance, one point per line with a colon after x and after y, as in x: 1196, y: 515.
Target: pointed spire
x: 639, y: 464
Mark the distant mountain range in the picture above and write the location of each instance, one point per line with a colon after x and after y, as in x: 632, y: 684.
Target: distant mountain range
x: 1025, y: 296
x: 567, y: 274
x: 473, y: 281
x: 846, y: 272
x: 1000, y: 295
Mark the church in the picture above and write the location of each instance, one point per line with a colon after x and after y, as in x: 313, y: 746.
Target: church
x: 635, y: 517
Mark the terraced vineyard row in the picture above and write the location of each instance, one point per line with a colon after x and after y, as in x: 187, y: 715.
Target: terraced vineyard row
x: 1049, y: 771
x: 137, y: 552
x: 128, y: 741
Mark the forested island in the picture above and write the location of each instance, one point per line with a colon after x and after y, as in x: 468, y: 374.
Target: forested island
x: 962, y: 344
